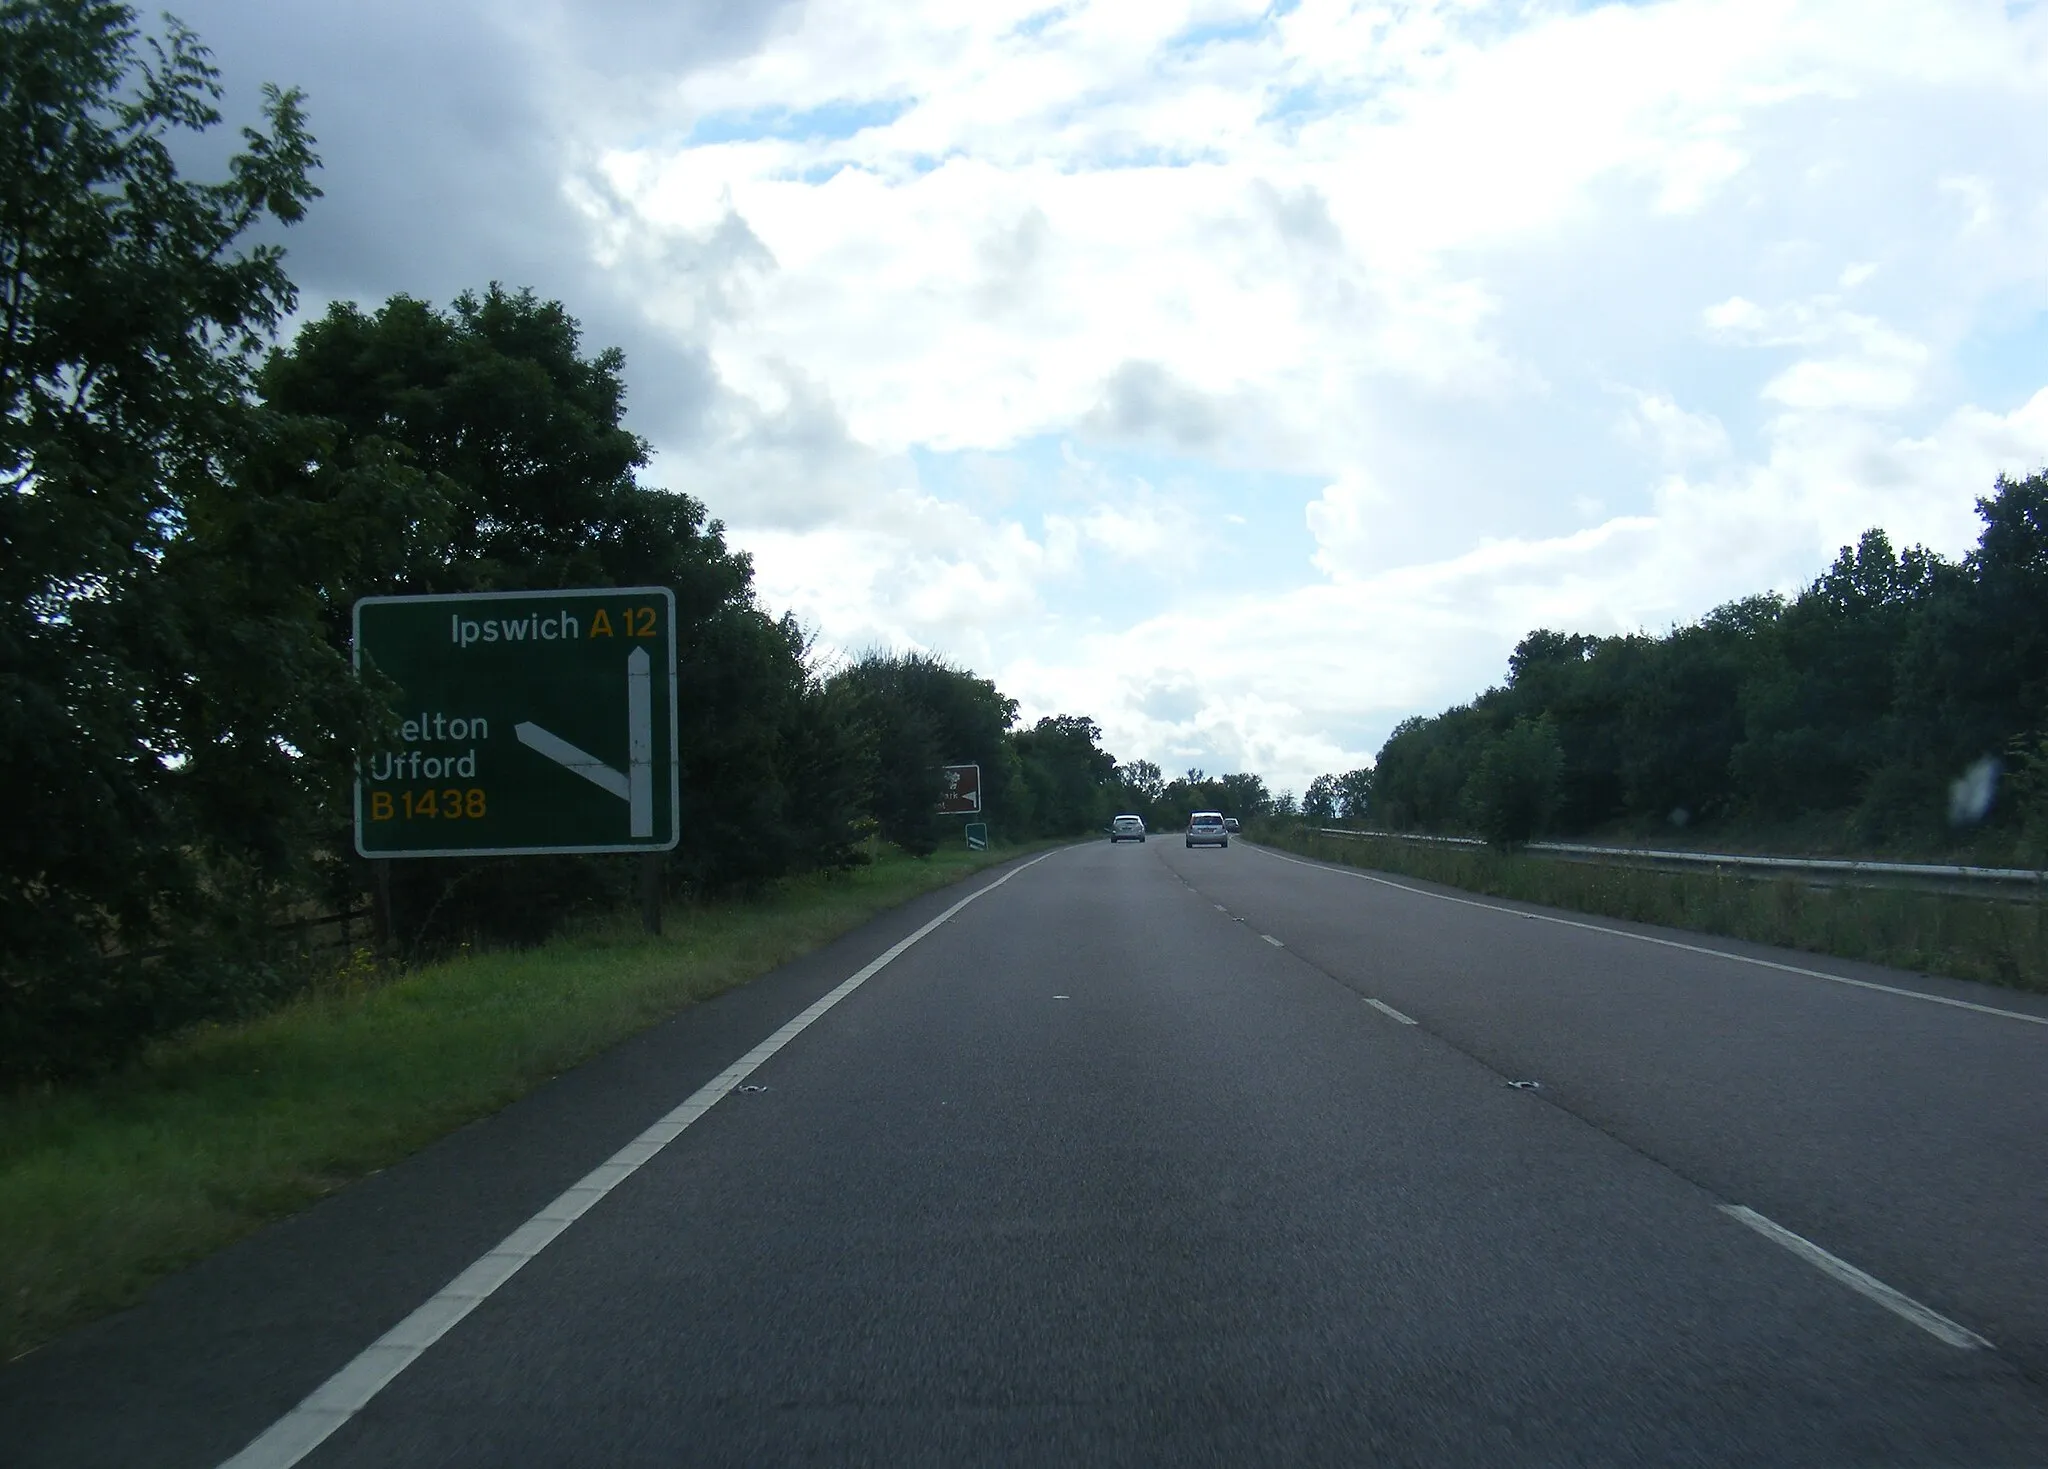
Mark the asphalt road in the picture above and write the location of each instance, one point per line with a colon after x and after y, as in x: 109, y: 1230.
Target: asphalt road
x: 1118, y: 1165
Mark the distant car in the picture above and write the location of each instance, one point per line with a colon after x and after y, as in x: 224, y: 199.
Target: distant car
x: 1127, y: 828
x: 1206, y: 829
x: 1230, y: 823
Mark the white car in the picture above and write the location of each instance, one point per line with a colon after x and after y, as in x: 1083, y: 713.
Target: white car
x: 1127, y: 828
x: 1206, y: 829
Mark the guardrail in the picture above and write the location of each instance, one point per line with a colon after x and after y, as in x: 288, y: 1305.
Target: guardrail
x: 2015, y: 883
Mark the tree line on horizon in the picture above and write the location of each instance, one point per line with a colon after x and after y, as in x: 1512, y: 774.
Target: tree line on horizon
x: 191, y: 510
x: 1898, y: 703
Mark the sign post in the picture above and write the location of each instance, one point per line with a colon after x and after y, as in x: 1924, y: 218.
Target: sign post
x: 531, y: 722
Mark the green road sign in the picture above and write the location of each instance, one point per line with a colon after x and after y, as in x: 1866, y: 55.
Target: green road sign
x: 977, y: 836
x: 529, y: 722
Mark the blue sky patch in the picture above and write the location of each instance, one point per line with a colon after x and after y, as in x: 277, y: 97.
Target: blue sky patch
x: 834, y: 120
x: 1300, y: 104
x: 1194, y: 38
x: 1039, y: 21
x: 2005, y: 364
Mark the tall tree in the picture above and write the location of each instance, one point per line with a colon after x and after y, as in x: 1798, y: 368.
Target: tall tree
x: 921, y: 713
x: 1144, y: 783
x: 1513, y: 789
x: 1354, y: 794
x: 1071, y: 778
x: 1974, y: 673
x: 148, y: 705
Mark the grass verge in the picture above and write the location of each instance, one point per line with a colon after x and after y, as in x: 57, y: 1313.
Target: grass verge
x: 106, y: 1188
x: 1989, y: 940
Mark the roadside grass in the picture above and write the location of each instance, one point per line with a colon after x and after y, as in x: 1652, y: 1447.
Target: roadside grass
x: 107, y: 1187
x: 1989, y: 940
x: 1821, y: 834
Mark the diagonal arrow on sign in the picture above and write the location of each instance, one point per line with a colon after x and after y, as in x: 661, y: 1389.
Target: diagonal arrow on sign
x: 636, y: 786
x: 566, y: 755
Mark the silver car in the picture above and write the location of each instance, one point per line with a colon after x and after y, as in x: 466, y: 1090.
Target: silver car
x: 1206, y: 829
x: 1127, y: 828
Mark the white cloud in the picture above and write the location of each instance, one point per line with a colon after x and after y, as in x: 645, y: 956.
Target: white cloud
x: 1581, y: 315
x: 1869, y: 365
x: 1672, y: 436
x: 1137, y: 532
x: 1342, y: 520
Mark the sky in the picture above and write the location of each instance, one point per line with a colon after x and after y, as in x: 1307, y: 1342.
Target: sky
x: 1246, y: 376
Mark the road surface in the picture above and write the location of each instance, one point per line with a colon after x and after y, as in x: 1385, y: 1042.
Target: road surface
x: 1159, y: 1156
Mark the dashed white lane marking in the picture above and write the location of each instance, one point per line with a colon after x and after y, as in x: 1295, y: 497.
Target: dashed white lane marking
x: 1221, y: 909
x: 1644, y: 938
x: 1273, y: 941
x: 1385, y: 1009
x: 344, y: 1395
x: 1932, y: 1322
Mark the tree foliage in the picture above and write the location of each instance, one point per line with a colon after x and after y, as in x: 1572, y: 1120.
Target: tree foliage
x: 1332, y: 797
x: 1142, y: 789
x: 1143, y: 783
x: 1513, y: 789
x: 921, y: 714
x: 1860, y: 702
x: 1069, y: 780
x: 1320, y: 802
x: 161, y: 688
x: 1354, y: 794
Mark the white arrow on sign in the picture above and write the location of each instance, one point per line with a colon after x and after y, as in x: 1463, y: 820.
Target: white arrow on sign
x: 636, y: 786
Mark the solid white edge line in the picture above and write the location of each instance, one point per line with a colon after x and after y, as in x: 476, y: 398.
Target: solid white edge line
x: 1861, y: 984
x: 344, y: 1394
x: 1385, y: 1009
x: 1932, y: 1322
